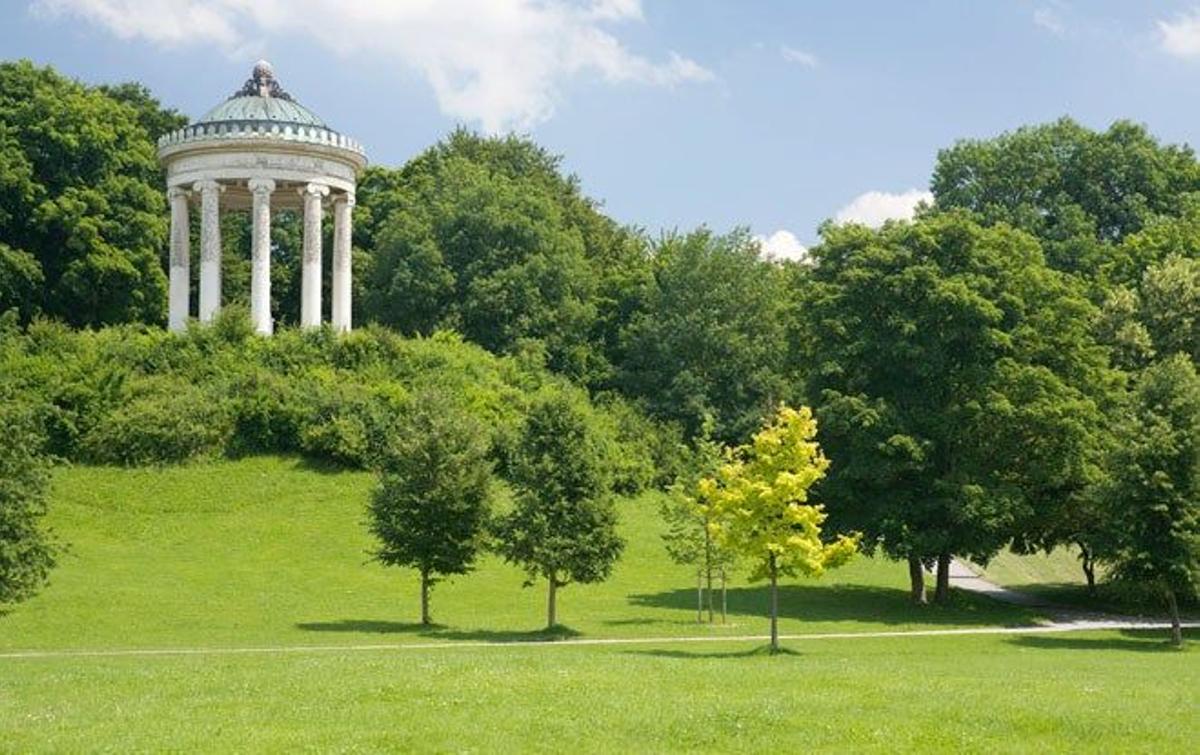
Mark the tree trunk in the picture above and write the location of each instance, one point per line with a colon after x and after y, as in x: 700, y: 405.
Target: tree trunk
x: 699, y: 598
x: 425, y: 598
x: 552, y: 605
x: 916, y: 577
x: 942, y: 596
x: 724, y: 602
x: 708, y: 571
x: 709, y: 587
x: 1176, y: 627
x: 774, y: 572
x: 1089, y: 568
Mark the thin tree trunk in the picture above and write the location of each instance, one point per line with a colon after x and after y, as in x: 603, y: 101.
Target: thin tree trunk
x: 942, y: 595
x: 1089, y: 568
x: 699, y: 598
x: 425, y: 598
x: 709, y: 588
x: 774, y: 604
x: 551, y: 604
x: 1176, y: 627
x: 724, y: 601
x: 708, y: 571
x: 916, y: 576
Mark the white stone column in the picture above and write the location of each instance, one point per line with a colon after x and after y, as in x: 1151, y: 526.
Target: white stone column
x: 260, y: 255
x: 343, y: 206
x: 310, y: 279
x: 179, y: 291
x: 210, y: 248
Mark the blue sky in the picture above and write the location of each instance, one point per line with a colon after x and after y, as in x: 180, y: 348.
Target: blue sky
x: 774, y: 115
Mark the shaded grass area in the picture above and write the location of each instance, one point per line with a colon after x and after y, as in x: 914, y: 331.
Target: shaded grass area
x: 1094, y: 692
x: 272, y: 550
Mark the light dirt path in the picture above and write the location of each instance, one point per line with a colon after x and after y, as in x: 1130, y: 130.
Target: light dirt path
x: 966, y: 578
x: 1051, y: 628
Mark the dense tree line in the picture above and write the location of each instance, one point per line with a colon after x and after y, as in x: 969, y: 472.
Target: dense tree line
x: 985, y: 376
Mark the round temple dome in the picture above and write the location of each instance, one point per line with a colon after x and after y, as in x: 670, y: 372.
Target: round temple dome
x: 261, y: 108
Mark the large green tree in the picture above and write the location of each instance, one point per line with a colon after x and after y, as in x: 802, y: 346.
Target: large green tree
x: 957, y: 382
x: 487, y: 236
x: 563, y: 527
x: 1081, y: 192
x: 430, y: 509
x: 711, y: 338
x: 1152, y: 514
x: 81, y: 196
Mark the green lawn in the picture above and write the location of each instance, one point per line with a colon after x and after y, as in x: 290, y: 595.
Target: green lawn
x: 271, y: 552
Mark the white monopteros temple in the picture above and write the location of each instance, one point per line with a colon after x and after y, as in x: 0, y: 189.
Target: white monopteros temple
x: 260, y: 150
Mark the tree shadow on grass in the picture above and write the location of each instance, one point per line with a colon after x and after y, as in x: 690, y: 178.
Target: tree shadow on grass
x: 860, y: 603
x: 368, y: 626
x: 1138, y: 641
x: 438, y: 631
x: 763, y: 650
x: 306, y: 463
x: 641, y: 621
x: 557, y: 632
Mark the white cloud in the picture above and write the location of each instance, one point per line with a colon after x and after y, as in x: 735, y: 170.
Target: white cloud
x: 1181, y: 37
x: 782, y: 245
x: 501, y: 64
x: 876, y: 207
x: 793, y: 55
x: 1050, y: 20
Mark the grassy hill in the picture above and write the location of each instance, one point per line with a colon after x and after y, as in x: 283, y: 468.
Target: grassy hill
x: 257, y: 570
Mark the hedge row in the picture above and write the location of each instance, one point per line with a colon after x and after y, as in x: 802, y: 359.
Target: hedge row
x: 133, y: 395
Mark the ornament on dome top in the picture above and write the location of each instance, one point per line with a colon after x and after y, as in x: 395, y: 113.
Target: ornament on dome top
x: 262, y: 83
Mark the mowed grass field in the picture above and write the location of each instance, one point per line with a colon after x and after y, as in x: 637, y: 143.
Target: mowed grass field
x: 257, y: 571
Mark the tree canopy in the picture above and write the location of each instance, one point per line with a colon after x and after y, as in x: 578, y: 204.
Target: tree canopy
x: 563, y: 525
x: 957, y: 383
x: 711, y: 338
x: 82, y: 211
x: 759, y: 505
x: 1152, y: 499
x: 485, y: 235
x: 431, y: 507
x: 1081, y: 192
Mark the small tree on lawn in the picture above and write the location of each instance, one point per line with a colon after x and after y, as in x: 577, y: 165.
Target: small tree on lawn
x: 1153, y: 499
x: 761, y: 510
x: 430, y: 509
x: 689, y: 537
x: 563, y: 527
x: 27, y: 551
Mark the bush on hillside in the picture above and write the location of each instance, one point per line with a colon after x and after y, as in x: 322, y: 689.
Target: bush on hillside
x: 135, y: 394
x: 164, y: 421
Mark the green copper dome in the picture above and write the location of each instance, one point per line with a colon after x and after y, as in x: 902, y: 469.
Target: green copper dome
x: 261, y: 109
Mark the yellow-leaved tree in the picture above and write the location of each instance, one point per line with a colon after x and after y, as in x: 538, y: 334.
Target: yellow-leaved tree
x: 759, y: 505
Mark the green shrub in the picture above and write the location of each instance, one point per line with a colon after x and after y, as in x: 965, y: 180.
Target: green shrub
x: 268, y: 411
x: 164, y: 420
x: 350, y: 421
